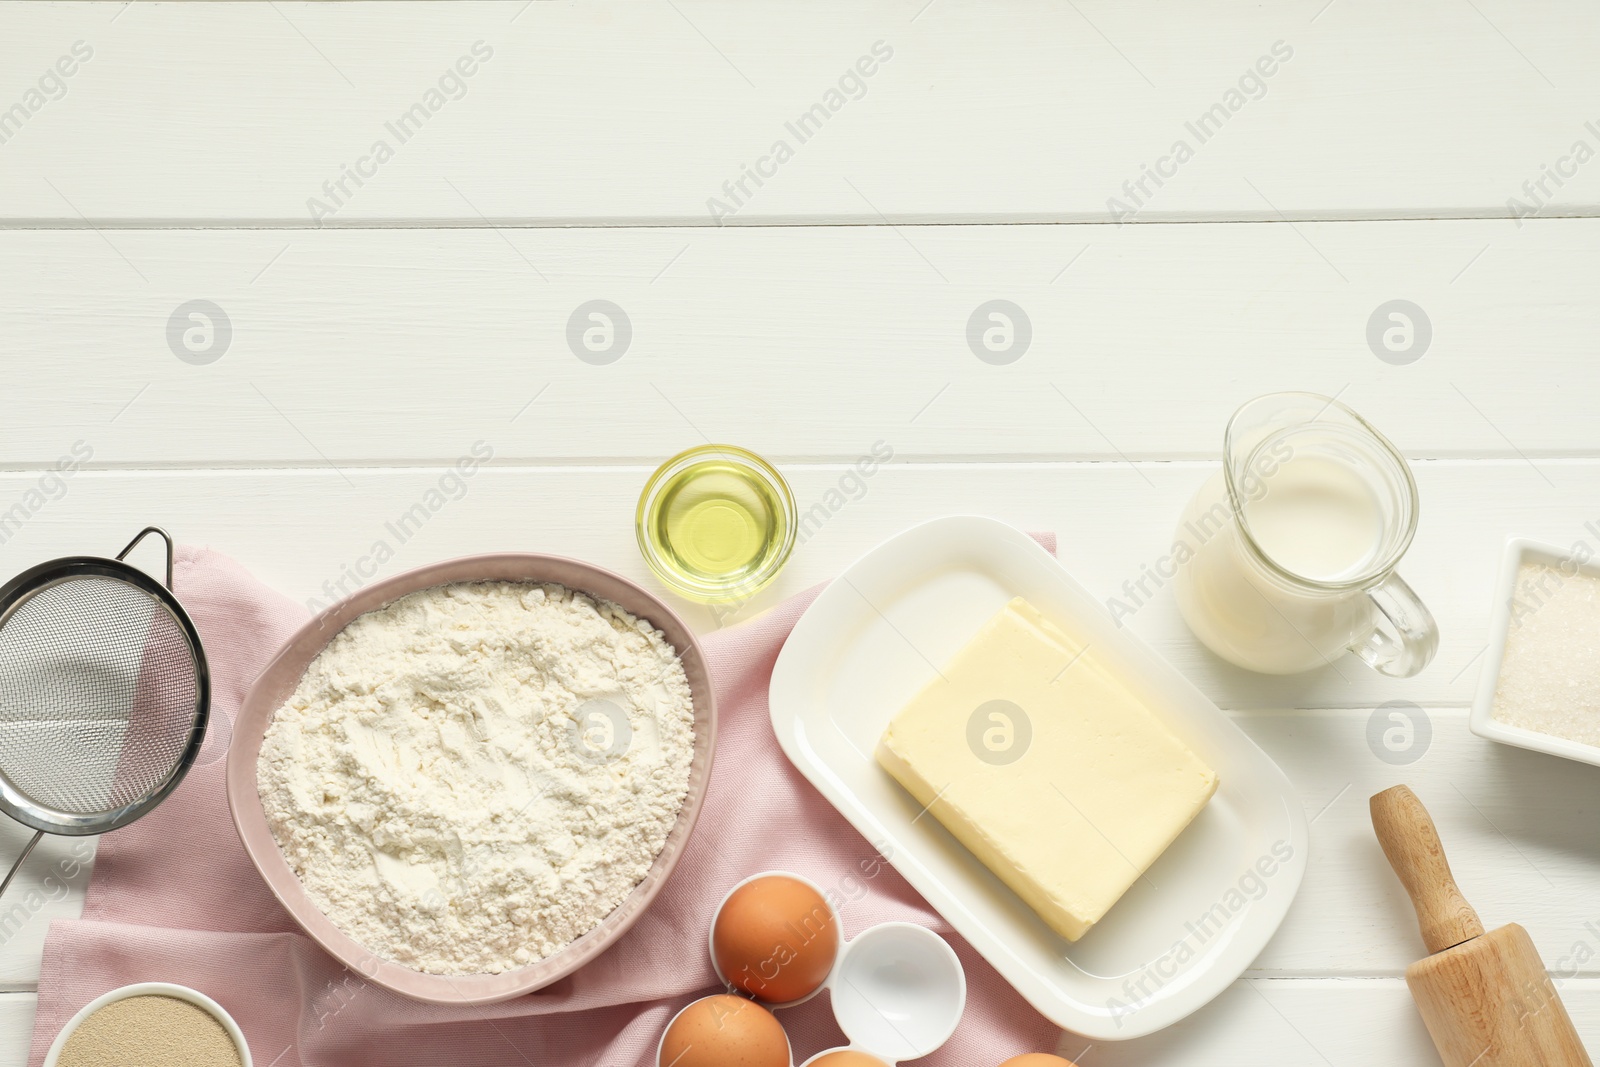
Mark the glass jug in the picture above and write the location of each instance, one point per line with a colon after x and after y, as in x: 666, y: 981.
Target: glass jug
x: 1286, y: 556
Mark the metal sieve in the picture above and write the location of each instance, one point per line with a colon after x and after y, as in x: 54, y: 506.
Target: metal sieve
x: 104, y: 694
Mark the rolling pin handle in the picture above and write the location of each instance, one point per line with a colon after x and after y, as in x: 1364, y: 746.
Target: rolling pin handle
x: 1411, y: 842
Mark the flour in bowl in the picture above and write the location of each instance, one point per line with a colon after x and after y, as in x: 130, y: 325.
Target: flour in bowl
x: 470, y: 778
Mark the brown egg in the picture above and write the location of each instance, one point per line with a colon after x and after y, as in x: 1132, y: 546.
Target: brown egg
x: 775, y: 938
x: 847, y: 1057
x: 725, y: 1031
x: 1037, y: 1059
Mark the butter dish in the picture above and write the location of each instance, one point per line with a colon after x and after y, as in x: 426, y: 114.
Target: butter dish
x: 1185, y: 930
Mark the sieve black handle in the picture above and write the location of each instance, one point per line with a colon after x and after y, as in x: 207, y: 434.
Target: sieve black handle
x: 146, y: 532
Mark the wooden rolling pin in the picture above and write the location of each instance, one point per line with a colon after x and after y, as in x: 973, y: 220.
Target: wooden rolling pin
x: 1485, y: 997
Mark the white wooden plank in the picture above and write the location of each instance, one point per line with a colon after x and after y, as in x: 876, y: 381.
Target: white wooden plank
x: 16, y: 1027
x: 389, y: 346
x: 307, y: 532
x: 640, y: 111
x: 50, y: 886
x: 1517, y: 827
x: 1305, y: 1023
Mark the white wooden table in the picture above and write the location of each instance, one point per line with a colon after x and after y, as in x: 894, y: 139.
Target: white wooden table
x: 375, y: 312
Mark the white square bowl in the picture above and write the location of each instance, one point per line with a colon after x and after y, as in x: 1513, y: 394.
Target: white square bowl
x: 1520, y: 550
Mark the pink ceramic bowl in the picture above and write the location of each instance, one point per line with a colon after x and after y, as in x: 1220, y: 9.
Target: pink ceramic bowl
x: 283, y: 674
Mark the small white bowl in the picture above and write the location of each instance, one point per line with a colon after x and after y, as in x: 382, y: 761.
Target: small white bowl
x: 151, y: 989
x: 1520, y: 550
x: 898, y: 991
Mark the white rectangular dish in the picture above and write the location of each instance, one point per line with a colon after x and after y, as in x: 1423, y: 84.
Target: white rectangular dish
x: 1182, y: 934
x: 1520, y: 550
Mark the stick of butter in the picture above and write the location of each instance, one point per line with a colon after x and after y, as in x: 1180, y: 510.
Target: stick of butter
x: 1046, y: 767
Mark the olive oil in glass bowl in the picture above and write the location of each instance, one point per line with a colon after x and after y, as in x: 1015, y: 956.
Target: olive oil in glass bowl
x: 716, y: 523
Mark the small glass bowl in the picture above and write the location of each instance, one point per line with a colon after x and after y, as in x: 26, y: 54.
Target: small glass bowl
x: 769, y: 501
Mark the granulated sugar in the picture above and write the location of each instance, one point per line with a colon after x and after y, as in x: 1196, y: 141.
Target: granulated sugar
x: 150, y: 1031
x: 1550, y: 675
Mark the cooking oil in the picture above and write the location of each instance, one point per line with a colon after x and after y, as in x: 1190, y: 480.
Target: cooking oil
x: 716, y: 522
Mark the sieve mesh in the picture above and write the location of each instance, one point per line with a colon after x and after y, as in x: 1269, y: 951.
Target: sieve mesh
x: 99, y: 692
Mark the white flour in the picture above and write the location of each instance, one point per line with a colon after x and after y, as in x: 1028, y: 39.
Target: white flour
x: 431, y: 785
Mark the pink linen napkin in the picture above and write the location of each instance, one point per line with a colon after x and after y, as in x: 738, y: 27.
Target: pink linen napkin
x: 174, y: 898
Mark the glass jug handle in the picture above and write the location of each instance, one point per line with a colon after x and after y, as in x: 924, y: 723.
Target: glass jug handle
x: 1406, y: 636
